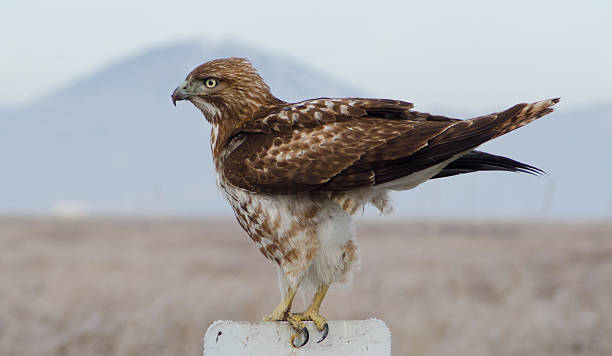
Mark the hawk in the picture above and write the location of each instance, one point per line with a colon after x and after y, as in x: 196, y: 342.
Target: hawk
x: 295, y: 173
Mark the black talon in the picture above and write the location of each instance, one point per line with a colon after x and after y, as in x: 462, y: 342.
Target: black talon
x: 306, y: 336
x: 325, y: 332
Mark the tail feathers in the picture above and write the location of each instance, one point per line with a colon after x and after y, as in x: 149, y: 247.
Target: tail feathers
x: 520, y: 115
x: 488, y: 127
x: 481, y: 161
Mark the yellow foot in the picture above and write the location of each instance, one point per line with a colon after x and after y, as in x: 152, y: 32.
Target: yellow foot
x: 278, y: 314
x: 282, y: 309
x: 297, y: 322
x: 315, y: 317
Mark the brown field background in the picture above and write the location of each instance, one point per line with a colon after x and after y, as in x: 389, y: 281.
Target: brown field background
x: 115, y: 286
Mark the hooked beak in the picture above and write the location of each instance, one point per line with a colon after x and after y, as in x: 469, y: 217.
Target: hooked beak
x: 180, y: 93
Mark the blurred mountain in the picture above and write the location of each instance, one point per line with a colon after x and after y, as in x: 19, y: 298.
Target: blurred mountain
x: 112, y: 143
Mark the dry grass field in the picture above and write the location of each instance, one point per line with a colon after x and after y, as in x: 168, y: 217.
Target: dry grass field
x: 152, y: 286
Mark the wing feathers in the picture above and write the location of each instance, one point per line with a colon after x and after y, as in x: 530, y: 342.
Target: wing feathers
x: 458, y: 137
x: 344, y: 144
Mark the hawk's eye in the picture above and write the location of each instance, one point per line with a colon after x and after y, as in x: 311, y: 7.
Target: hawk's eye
x: 210, y: 83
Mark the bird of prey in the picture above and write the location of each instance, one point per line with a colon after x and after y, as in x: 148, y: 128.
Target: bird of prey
x: 295, y: 173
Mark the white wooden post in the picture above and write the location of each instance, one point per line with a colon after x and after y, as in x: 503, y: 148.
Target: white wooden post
x: 346, y: 337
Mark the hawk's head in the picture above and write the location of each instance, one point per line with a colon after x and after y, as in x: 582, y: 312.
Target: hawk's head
x: 225, y: 89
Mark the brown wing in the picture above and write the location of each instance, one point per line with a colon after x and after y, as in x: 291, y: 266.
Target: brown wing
x: 343, y: 144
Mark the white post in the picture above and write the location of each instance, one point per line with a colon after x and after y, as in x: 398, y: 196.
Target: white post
x: 346, y: 337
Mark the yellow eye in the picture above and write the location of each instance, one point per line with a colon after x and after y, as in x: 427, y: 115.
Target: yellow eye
x: 210, y: 83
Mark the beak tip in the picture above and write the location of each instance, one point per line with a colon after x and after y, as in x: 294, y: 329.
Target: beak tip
x: 179, y: 94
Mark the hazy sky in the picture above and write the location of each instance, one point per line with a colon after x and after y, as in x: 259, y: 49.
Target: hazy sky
x: 457, y: 54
